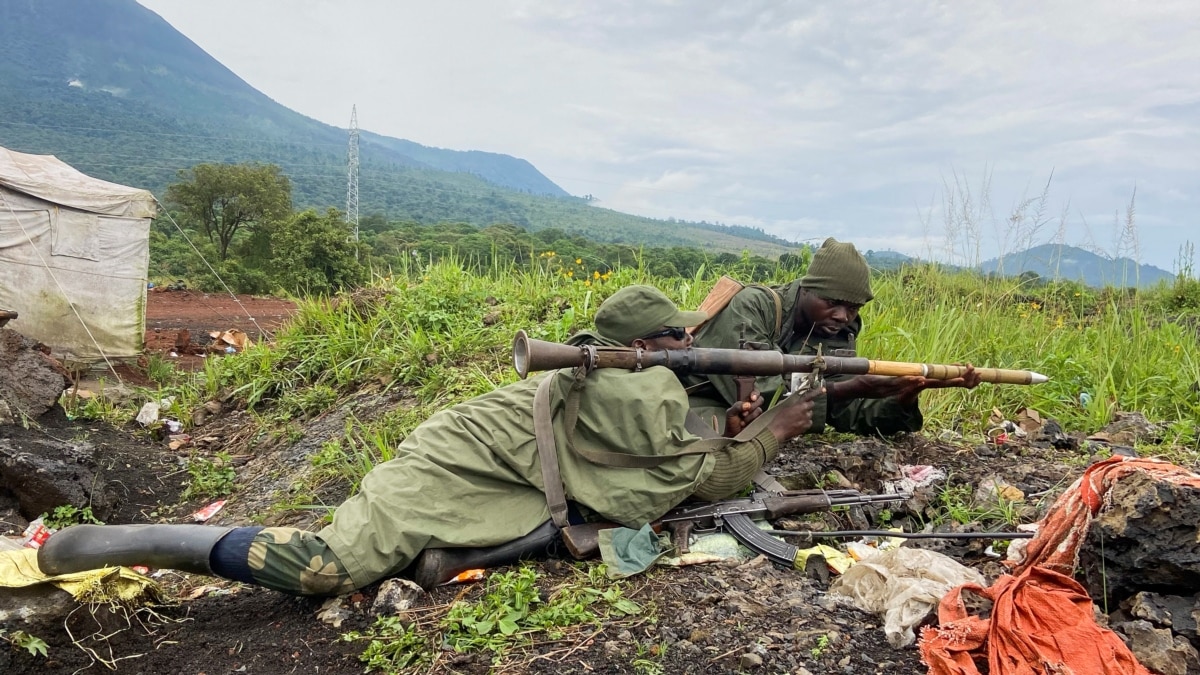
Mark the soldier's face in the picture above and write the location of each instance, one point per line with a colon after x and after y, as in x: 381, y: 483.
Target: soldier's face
x: 667, y: 338
x: 825, y: 317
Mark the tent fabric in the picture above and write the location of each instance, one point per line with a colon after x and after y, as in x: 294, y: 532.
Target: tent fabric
x: 50, y: 179
x: 74, y: 253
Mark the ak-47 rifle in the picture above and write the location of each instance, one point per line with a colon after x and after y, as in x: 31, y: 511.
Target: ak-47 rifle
x: 734, y: 516
x: 531, y: 355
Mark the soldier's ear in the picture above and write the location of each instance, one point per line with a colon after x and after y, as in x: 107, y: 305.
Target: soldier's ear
x: 639, y: 343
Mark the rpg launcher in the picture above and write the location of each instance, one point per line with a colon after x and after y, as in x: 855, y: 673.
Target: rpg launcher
x: 735, y: 517
x: 531, y: 355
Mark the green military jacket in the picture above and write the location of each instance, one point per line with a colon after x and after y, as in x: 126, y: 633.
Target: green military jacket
x: 751, y: 316
x: 470, y: 474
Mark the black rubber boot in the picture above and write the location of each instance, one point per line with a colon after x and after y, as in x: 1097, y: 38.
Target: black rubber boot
x: 86, y: 547
x: 438, y: 565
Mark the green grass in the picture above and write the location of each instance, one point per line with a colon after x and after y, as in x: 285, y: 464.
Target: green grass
x: 209, y: 478
x: 439, y: 334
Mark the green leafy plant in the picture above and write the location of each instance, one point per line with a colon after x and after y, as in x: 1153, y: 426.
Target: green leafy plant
x: 30, y: 643
x: 510, y: 613
x: 885, y: 517
x: 209, y: 478
x: 392, y: 645
x: 820, y: 647
x: 68, y: 515
x: 648, y: 660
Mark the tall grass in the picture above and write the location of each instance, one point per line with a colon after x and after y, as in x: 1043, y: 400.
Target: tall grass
x: 1114, y: 351
x: 443, y: 334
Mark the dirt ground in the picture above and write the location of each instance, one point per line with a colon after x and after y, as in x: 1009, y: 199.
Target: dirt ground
x: 709, y: 617
x: 179, y: 323
x: 723, y: 618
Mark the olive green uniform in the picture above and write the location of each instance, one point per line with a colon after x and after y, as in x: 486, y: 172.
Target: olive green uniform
x: 751, y: 316
x: 470, y: 476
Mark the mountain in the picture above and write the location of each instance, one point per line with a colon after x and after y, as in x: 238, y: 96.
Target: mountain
x: 111, y: 88
x: 887, y: 260
x: 1053, y: 261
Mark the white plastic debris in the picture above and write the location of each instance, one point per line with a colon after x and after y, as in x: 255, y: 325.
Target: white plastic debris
x: 148, y: 414
x: 904, y: 585
x: 1016, y: 548
x: 913, y: 476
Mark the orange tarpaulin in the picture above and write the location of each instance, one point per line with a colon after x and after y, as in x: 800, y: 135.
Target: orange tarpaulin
x: 1041, y: 619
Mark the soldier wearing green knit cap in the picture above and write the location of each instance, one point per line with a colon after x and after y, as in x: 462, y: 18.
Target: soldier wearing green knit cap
x: 470, y: 487
x: 819, y: 310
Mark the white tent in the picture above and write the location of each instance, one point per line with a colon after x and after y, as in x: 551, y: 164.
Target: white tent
x: 74, y: 251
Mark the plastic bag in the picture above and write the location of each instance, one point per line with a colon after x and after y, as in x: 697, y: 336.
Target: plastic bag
x: 904, y: 585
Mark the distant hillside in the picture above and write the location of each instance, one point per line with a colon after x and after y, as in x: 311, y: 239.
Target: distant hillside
x: 887, y: 260
x: 1052, y: 261
x: 111, y: 88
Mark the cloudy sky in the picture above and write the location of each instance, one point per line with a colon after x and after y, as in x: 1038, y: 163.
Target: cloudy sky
x: 888, y: 124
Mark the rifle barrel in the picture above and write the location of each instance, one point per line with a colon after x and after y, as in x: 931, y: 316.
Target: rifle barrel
x: 901, y: 535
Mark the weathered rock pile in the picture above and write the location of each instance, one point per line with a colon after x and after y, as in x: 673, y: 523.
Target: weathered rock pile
x: 30, y: 380
x: 1141, y: 559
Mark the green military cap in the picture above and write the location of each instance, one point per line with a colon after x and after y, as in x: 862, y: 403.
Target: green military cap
x: 839, y: 272
x: 638, y: 311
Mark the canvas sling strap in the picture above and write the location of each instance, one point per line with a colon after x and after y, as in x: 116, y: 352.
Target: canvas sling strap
x: 543, y: 426
x: 543, y: 431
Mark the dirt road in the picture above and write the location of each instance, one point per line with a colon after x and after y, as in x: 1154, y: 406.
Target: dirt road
x: 168, y: 313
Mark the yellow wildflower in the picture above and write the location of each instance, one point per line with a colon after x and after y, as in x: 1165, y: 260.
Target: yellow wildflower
x: 596, y: 274
x: 1024, y: 315
x: 1059, y: 323
x: 570, y: 273
x: 579, y: 261
x: 588, y: 282
x: 1034, y: 305
x: 1078, y: 294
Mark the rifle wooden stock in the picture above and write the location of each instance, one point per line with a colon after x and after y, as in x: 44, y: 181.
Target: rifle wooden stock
x: 531, y: 355
x: 583, y: 541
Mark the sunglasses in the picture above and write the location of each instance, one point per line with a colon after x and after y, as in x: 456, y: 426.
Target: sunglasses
x: 670, y: 331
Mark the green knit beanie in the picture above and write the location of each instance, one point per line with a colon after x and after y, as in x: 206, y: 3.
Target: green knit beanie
x: 839, y: 272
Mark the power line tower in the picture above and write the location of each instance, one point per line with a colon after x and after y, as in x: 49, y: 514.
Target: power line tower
x: 352, y: 175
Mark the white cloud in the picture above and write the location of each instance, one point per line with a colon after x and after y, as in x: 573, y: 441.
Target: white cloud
x: 787, y: 116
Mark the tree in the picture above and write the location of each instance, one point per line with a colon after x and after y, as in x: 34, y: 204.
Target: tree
x: 313, y: 254
x: 226, y: 198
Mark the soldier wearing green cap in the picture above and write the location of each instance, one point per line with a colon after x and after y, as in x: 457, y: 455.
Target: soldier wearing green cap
x: 471, y: 483
x: 819, y: 310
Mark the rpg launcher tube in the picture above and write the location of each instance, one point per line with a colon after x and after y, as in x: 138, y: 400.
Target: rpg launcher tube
x: 531, y: 355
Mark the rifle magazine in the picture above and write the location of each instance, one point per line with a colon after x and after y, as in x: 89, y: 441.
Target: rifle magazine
x: 743, y: 529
